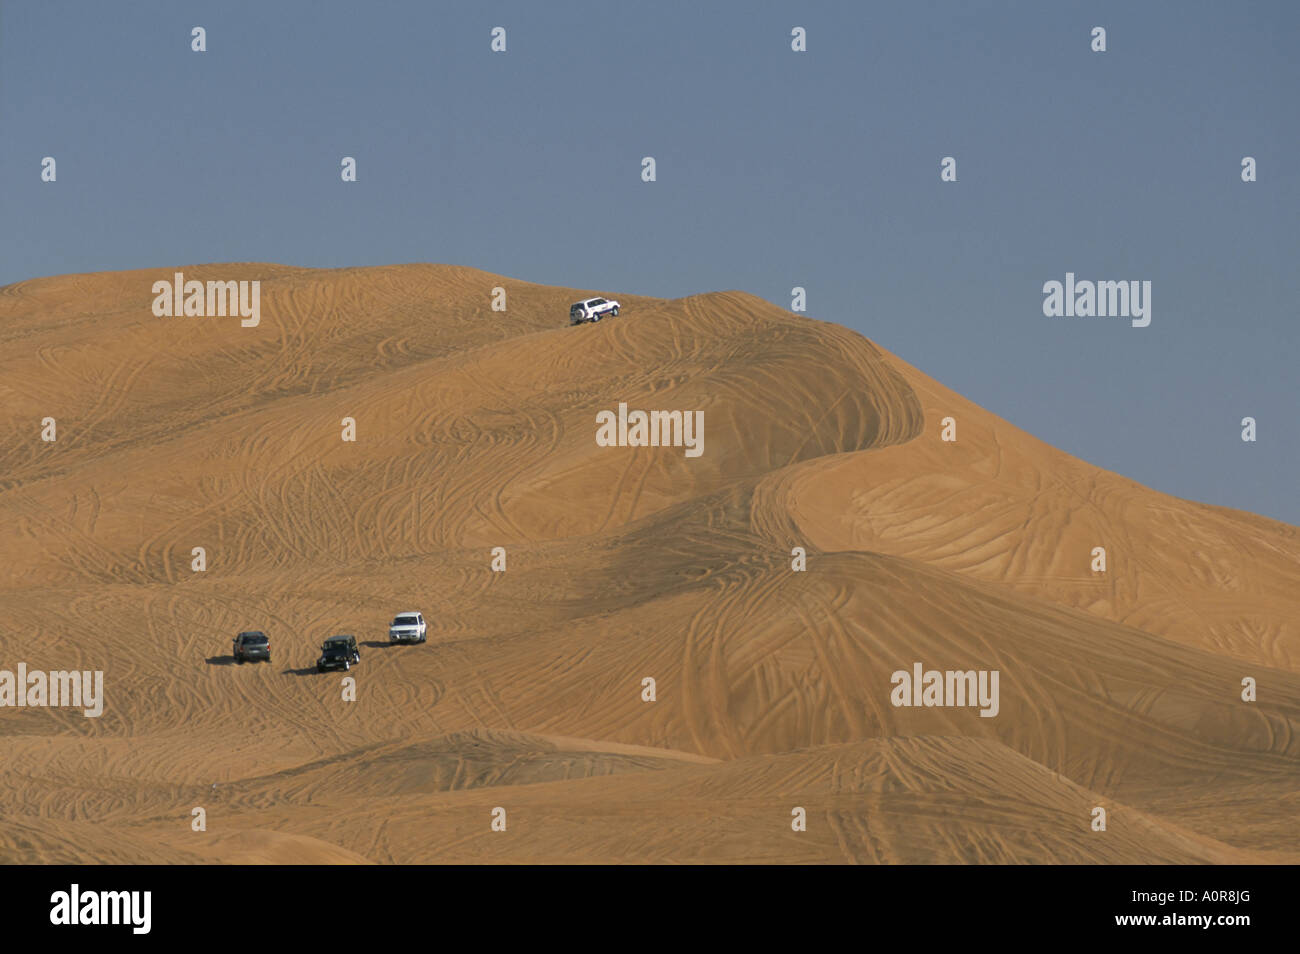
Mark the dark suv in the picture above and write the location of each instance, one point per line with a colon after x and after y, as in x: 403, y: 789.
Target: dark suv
x: 252, y: 645
x: 338, y: 652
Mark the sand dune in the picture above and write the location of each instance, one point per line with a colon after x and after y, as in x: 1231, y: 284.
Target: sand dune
x: 475, y: 429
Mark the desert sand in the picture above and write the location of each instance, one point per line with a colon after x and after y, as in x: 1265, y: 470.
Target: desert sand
x: 475, y: 430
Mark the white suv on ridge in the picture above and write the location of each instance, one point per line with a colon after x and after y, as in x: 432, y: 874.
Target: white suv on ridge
x: 591, y: 309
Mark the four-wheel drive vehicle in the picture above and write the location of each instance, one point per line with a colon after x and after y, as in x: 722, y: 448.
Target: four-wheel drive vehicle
x: 406, y: 628
x: 338, y: 652
x: 252, y: 645
x: 591, y: 309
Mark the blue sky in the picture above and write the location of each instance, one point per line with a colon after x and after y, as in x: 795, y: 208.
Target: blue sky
x: 775, y: 169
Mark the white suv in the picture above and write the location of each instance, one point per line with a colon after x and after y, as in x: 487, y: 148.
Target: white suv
x: 591, y: 309
x: 406, y: 628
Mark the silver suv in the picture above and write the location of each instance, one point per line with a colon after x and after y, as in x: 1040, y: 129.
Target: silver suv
x: 252, y: 644
x: 591, y: 309
x: 407, y: 628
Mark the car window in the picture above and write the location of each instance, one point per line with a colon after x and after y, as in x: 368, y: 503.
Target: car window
x: 406, y: 621
x: 598, y: 301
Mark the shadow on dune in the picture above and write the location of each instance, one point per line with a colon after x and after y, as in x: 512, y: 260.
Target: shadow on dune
x: 307, y: 671
x: 220, y: 660
x: 385, y: 644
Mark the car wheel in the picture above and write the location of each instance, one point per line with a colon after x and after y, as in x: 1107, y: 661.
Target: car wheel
x: 614, y: 312
x: 240, y: 660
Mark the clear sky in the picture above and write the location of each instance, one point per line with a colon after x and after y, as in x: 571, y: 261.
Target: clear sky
x: 775, y: 169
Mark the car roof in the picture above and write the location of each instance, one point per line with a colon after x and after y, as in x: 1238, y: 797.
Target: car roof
x: 408, y: 613
x: 335, y: 638
x: 252, y: 632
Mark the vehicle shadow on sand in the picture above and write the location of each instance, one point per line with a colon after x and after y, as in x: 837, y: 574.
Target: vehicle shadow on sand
x: 220, y: 660
x: 376, y: 644
x: 307, y: 671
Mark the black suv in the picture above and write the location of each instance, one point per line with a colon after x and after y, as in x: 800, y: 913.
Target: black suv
x: 252, y: 645
x: 338, y: 652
